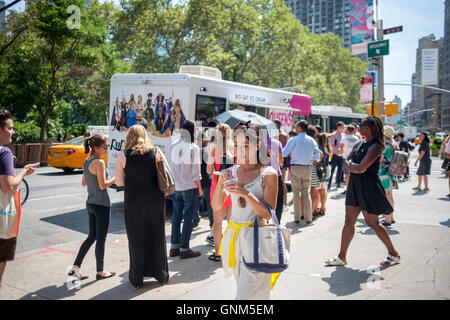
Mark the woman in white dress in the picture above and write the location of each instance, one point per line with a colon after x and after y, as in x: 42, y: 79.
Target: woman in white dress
x: 253, y: 184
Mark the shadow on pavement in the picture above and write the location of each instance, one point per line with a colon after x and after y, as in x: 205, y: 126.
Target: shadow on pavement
x: 79, y: 220
x: 370, y: 232
x: 60, y: 173
x: 444, y: 198
x: 193, y: 269
x: 66, y: 290
x: 445, y: 223
x: 345, y: 281
x: 126, y: 291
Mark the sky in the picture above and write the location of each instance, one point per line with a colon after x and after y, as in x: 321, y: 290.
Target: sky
x: 419, y: 18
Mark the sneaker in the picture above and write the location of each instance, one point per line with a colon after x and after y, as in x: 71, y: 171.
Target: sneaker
x: 189, y: 254
x: 345, y: 191
x: 210, y: 240
x: 309, y: 223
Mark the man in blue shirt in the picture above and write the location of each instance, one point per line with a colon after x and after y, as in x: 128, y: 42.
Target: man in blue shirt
x: 304, y: 152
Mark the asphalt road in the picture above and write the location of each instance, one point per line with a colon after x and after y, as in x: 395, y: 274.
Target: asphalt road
x: 55, y: 211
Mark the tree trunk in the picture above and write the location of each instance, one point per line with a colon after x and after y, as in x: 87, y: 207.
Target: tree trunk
x: 43, y: 127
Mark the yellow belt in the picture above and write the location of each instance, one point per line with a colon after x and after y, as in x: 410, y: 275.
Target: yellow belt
x: 232, y: 248
x: 237, y: 228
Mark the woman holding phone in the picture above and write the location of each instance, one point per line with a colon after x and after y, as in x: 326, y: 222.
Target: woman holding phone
x: 97, y: 205
x: 9, y: 182
x: 251, y: 184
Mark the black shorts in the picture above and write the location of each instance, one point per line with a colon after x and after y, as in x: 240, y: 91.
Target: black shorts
x: 285, y: 163
x: 7, y: 249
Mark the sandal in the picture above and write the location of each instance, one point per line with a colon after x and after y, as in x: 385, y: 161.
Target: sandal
x: 101, y: 277
x: 214, y: 257
x: 336, y: 261
x: 390, y: 260
x: 75, y: 272
x: 386, y: 224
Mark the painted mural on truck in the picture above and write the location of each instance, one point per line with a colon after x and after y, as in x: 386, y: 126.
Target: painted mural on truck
x: 156, y: 110
x: 159, y: 115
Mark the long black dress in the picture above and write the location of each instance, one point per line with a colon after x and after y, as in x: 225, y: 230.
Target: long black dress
x: 144, y: 220
x: 365, y: 189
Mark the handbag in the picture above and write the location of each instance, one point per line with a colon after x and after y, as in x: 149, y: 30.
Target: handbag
x: 166, y: 181
x: 270, y: 252
x: 10, y: 214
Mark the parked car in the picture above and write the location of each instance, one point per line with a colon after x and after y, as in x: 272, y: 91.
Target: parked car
x: 69, y: 155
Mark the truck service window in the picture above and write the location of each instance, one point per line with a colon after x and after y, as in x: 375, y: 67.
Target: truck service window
x: 207, y: 108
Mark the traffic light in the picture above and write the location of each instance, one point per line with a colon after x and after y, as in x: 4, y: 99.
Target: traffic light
x: 433, y: 114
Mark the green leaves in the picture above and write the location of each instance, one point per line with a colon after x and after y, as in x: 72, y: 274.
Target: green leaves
x: 252, y: 41
x: 61, y: 74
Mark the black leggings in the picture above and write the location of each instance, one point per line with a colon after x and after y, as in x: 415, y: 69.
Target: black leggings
x: 98, y: 229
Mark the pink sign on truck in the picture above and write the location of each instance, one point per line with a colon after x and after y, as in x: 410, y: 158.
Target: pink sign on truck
x: 301, y: 106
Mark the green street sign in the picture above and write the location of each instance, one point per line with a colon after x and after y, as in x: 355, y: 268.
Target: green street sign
x: 378, y: 48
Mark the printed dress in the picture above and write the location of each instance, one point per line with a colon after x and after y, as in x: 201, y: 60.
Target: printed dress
x: 387, y: 180
x: 250, y: 284
x: 365, y: 189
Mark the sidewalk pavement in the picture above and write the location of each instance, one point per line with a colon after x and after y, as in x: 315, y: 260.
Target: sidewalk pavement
x: 421, y: 235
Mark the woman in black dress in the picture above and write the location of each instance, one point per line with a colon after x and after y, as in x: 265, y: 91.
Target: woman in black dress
x: 144, y: 209
x: 365, y: 192
x: 425, y: 161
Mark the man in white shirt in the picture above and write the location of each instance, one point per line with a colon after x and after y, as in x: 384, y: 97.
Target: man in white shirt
x: 185, y: 163
x: 347, y: 144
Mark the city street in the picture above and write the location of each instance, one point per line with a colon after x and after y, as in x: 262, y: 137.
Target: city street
x: 54, y: 223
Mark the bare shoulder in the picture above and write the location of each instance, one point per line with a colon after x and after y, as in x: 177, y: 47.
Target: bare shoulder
x: 270, y: 173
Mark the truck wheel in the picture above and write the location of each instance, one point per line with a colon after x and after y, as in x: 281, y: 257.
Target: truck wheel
x: 68, y: 170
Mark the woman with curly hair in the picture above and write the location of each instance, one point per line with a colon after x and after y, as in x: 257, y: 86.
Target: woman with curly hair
x: 366, y: 193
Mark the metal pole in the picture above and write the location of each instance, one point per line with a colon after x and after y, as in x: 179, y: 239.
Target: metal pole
x: 380, y: 67
x: 373, y: 94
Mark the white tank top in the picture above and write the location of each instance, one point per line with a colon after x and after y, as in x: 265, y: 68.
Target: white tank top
x: 247, y: 214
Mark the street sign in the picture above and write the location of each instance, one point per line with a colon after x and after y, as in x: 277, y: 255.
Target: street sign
x: 374, y: 75
x: 393, y: 30
x: 378, y: 48
x: 365, y: 89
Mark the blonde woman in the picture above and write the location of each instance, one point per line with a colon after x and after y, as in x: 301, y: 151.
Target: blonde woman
x: 144, y: 208
x: 221, y: 156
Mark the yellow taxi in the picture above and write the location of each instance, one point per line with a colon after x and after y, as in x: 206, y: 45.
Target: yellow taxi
x: 69, y: 155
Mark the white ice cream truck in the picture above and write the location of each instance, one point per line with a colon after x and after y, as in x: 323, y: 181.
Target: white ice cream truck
x: 161, y: 102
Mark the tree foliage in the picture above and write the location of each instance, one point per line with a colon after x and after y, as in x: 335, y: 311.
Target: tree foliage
x: 51, y: 63
x: 56, y: 77
x: 252, y: 41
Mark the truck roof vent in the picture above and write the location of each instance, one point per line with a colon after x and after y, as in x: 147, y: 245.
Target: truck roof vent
x: 203, y: 71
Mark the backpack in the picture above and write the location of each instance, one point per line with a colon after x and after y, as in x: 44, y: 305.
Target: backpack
x: 399, y: 163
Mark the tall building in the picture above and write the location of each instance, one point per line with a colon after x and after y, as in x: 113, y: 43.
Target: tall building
x: 323, y: 16
x: 426, y: 98
x: 2, y: 16
x: 394, y: 119
x: 445, y: 71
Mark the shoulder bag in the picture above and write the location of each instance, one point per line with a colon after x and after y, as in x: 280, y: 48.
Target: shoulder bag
x: 270, y: 252
x: 166, y: 181
x: 10, y: 213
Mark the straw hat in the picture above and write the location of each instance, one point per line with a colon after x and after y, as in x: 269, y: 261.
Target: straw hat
x: 389, y: 132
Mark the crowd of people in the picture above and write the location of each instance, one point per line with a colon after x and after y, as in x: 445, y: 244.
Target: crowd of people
x: 236, y: 173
